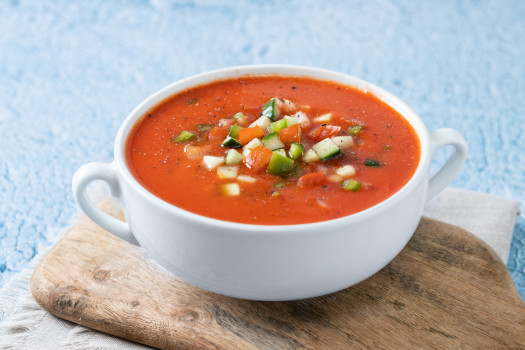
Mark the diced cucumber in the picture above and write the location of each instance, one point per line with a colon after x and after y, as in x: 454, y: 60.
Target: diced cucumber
x: 212, y: 162
x: 245, y: 152
x: 372, y: 163
x: 351, y: 185
x: 183, y: 137
x: 227, y: 172
x: 279, y: 164
x: 278, y: 125
x: 233, y: 157
x: 310, y: 156
x: 323, y: 118
x: 263, y: 123
x: 204, y: 127
x: 234, y: 131
x: 346, y: 171
x: 231, y: 143
x: 253, y: 144
x: 343, y: 142
x: 281, y: 151
x: 355, y: 129
x: 232, y: 189
x: 296, y: 150
x: 271, y: 141
x: 246, y: 178
x: 326, y: 149
x: 291, y: 120
x: 270, y: 110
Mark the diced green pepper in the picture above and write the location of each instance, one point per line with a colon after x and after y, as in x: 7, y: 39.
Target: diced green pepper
x: 351, y: 185
x: 296, y: 150
x: 278, y: 125
x: 231, y: 143
x: 279, y: 164
x: 234, y: 131
x: 355, y: 129
x: 270, y: 110
x: 183, y: 137
x: 372, y: 163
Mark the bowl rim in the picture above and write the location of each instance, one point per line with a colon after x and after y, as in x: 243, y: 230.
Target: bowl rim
x: 268, y: 70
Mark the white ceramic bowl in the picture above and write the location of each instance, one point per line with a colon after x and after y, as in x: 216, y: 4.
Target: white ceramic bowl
x: 269, y: 262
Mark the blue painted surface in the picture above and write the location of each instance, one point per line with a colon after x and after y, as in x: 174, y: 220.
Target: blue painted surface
x: 70, y: 73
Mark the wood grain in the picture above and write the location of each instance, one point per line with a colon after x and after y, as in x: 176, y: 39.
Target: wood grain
x: 446, y: 290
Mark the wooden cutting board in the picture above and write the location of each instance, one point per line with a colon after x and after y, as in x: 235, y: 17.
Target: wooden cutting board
x: 446, y: 290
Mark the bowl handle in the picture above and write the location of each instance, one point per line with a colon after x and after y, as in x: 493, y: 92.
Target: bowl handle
x: 440, y: 138
x: 105, y: 172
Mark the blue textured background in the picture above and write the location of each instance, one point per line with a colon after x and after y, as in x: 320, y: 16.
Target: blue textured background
x: 70, y: 73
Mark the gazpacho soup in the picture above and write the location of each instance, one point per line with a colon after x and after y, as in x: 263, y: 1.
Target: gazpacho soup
x: 273, y: 150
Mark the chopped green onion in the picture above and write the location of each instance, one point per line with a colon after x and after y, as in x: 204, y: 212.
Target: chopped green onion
x: 372, y: 163
x: 183, y: 137
x: 351, y: 185
x: 204, y: 127
x: 192, y: 101
x: 279, y: 184
x: 355, y: 129
x: 275, y: 194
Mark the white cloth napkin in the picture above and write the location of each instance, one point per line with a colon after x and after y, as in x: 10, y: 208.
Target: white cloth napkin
x: 24, y: 325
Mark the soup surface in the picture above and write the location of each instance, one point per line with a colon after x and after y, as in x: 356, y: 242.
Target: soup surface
x: 273, y: 150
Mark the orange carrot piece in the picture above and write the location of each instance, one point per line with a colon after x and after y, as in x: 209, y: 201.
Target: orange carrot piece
x: 248, y: 134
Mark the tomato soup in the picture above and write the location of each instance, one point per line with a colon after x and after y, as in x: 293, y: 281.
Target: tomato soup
x: 273, y: 150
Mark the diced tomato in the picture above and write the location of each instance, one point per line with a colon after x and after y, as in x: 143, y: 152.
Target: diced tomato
x: 258, y: 159
x: 290, y: 134
x: 226, y: 122
x: 219, y: 133
x: 324, y: 132
x: 346, y: 123
x: 196, y: 152
x: 248, y: 134
x: 311, y: 179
